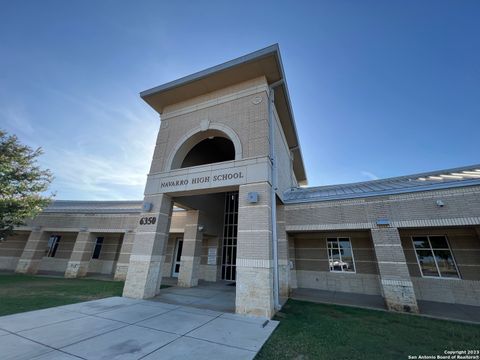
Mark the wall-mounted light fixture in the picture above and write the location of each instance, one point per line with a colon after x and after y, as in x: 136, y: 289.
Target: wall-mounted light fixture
x: 147, y: 206
x: 252, y: 197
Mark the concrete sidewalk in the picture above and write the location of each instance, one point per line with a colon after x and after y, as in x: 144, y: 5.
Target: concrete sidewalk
x: 121, y: 328
x: 218, y: 296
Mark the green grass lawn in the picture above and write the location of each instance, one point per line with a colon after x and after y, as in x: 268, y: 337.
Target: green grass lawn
x: 317, y: 331
x: 20, y: 293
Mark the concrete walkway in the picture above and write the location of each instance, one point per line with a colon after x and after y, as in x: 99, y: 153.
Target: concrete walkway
x: 121, y: 328
x: 218, y: 296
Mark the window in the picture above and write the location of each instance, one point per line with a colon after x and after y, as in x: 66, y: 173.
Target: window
x: 435, y: 257
x: 340, y: 255
x: 52, y: 245
x: 98, y: 248
x: 230, y: 229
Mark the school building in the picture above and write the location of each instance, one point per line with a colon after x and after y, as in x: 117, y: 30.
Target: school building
x: 226, y: 201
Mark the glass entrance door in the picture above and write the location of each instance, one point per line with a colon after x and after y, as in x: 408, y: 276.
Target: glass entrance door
x: 177, y: 256
x: 229, y: 245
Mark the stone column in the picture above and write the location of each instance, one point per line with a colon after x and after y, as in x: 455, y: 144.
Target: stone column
x: 148, y: 251
x: 397, y: 287
x: 81, y: 254
x: 33, y: 252
x: 254, y: 290
x: 283, y: 266
x: 124, y: 257
x: 210, y: 271
x: 191, y: 252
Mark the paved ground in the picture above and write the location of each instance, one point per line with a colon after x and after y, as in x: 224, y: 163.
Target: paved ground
x: 121, y: 328
x: 337, y: 297
x: 429, y: 308
x: 450, y: 311
x: 218, y: 296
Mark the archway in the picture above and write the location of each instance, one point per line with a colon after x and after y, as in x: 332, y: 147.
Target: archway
x: 211, y: 150
x: 203, y: 146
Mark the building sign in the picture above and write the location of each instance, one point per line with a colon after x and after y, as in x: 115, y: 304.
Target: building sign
x: 185, y: 181
x: 212, y: 256
x: 211, y: 176
x: 151, y: 220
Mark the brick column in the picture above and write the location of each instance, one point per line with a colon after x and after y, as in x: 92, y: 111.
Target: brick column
x: 191, y: 251
x: 211, y: 270
x: 124, y: 257
x: 33, y: 252
x: 81, y: 254
x: 397, y: 287
x: 283, y: 266
x: 148, y: 252
x: 254, y: 290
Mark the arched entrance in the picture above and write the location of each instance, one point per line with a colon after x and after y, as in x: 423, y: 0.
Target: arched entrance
x: 211, y: 150
x: 207, y: 144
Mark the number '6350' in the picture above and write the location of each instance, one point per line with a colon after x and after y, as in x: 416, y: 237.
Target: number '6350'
x: 148, y: 220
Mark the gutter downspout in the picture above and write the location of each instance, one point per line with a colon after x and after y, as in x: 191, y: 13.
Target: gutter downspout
x: 271, y: 128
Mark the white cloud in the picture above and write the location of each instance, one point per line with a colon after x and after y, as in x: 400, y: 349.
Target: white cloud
x: 369, y: 175
x: 124, y: 165
x: 109, y: 156
x: 16, y: 117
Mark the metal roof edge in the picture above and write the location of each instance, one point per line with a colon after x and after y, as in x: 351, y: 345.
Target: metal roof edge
x: 431, y: 187
x: 91, y: 211
x: 395, y: 178
x: 94, y: 206
x: 96, y: 202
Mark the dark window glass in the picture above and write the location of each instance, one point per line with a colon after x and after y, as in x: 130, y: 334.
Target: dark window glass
x: 435, y: 257
x: 230, y: 236
x: 179, y: 250
x: 445, y: 263
x: 421, y: 242
x: 52, y: 245
x: 427, y: 263
x: 98, y: 248
x: 438, y: 242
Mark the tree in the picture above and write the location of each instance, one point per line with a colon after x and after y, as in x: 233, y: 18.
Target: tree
x: 22, y: 183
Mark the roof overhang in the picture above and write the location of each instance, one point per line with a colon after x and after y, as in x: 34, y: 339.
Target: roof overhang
x: 265, y: 62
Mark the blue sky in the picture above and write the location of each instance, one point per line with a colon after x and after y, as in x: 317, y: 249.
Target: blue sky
x: 379, y: 88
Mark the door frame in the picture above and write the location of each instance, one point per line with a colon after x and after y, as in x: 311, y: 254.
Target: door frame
x: 176, y: 262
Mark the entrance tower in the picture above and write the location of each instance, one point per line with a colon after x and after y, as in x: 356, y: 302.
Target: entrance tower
x: 228, y: 129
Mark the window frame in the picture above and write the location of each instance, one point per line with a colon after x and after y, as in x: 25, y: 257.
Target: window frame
x: 51, y: 250
x: 95, y: 247
x: 338, y: 244
x: 432, y: 250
